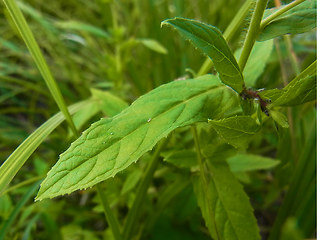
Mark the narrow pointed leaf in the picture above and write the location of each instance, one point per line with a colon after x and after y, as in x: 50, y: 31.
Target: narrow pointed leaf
x: 236, y: 130
x: 210, y: 41
x: 250, y: 162
x: 224, y: 205
x: 300, y: 90
x: 111, y: 145
x: 79, y: 26
x: 153, y: 45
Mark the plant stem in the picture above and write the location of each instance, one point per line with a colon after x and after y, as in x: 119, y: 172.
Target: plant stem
x: 112, y: 221
x: 286, y: 8
x: 229, y: 32
x: 134, y: 212
x: 254, y: 29
x: 37, y: 56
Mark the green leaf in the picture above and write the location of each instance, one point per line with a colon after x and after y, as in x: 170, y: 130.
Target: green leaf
x: 300, y: 90
x: 153, y: 45
x: 224, y: 205
x: 182, y: 159
x: 299, y: 19
x: 82, y: 116
x: 108, y: 103
x: 236, y: 130
x: 250, y: 162
x: 79, y: 26
x: 111, y: 145
x: 211, y: 42
x: 280, y: 118
x: 271, y: 94
x: 16, y: 160
x: 256, y: 62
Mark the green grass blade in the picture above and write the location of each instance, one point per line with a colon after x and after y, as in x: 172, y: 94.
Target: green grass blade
x: 16, y: 160
x: 117, y: 142
x: 34, y: 49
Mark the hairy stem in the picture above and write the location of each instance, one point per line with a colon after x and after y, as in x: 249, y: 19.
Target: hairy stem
x: 254, y: 29
x: 135, y: 211
x: 112, y: 221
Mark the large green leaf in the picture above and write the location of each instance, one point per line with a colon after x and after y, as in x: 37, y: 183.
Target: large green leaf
x: 300, y: 90
x: 224, y: 205
x: 299, y: 19
x: 256, y: 62
x: 236, y: 130
x: 210, y: 41
x: 111, y: 145
x: 249, y: 162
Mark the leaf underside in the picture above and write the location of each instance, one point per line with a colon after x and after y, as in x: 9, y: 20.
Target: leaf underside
x: 210, y: 41
x: 111, y: 145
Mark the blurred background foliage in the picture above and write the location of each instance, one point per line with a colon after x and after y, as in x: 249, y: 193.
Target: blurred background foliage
x: 118, y: 47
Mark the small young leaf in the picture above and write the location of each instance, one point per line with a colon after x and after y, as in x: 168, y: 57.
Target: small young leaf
x: 300, y: 90
x: 299, y: 19
x: 111, y: 145
x: 79, y: 26
x: 280, y: 118
x: 257, y: 61
x: 153, y: 45
x: 249, y: 162
x: 211, y: 42
x: 224, y: 205
x: 236, y: 130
